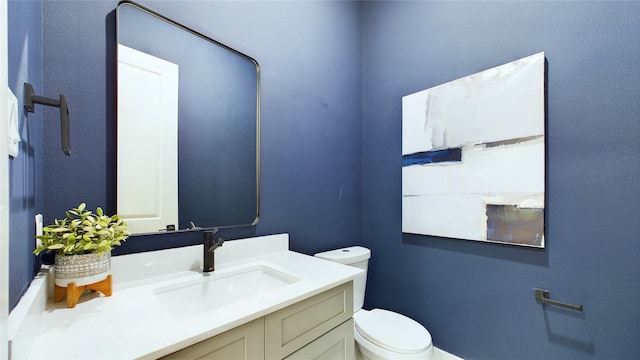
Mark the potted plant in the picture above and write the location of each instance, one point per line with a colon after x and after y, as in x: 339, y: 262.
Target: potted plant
x: 82, y: 243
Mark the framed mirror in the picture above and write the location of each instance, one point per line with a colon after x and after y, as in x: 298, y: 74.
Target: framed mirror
x: 188, y: 128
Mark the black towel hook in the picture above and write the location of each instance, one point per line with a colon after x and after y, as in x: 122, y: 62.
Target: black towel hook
x: 30, y: 99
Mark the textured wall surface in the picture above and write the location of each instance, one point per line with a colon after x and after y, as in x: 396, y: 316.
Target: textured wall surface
x: 477, y: 299
x: 25, y: 170
x: 309, y: 53
x: 311, y: 118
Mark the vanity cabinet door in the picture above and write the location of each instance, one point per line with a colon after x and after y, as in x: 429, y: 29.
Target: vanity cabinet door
x: 337, y: 344
x: 295, y: 326
x: 244, y: 342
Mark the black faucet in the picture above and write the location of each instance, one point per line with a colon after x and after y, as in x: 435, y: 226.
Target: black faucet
x: 210, y: 245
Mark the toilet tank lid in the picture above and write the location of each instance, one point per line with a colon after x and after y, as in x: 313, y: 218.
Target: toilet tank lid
x: 348, y: 255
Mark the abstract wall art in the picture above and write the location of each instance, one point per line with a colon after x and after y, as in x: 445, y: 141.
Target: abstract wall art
x: 473, y: 156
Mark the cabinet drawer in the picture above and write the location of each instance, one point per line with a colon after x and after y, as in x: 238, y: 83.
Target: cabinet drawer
x: 337, y: 344
x: 291, y: 328
x: 244, y: 342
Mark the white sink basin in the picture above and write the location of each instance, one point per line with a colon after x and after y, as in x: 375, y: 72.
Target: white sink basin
x: 211, y: 291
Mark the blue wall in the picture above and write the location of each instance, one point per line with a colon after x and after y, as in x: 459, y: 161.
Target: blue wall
x: 310, y: 57
x: 25, y: 171
x: 477, y: 299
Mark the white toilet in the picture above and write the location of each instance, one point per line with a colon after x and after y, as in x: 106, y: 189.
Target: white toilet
x: 380, y: 334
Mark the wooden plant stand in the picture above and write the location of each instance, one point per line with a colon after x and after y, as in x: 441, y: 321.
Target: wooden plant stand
x: 73, y: 292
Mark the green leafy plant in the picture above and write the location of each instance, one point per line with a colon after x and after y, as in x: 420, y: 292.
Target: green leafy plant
x: 83, y: 232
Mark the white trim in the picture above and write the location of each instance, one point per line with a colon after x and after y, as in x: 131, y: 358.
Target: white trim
x: 4, y: 186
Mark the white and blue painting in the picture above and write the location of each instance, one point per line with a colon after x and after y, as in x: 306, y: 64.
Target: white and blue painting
x: 473, y: 156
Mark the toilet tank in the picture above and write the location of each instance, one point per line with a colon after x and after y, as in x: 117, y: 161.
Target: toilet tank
x: 357, y: 256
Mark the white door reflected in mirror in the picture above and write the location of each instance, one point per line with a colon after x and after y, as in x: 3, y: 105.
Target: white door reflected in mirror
x: 148, y: 129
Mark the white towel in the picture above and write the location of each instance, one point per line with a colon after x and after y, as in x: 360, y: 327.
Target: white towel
x: 14, y: 133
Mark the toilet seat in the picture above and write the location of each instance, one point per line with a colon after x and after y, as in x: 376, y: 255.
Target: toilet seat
x: 392, y: 331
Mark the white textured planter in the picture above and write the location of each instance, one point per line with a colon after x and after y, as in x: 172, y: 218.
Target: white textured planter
x: 82, y: 269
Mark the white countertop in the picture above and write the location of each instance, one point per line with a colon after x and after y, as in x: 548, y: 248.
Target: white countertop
x: 132, y: 323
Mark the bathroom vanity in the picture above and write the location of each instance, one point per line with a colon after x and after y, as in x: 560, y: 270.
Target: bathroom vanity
x: 263, y: 301
x: 318, y: 326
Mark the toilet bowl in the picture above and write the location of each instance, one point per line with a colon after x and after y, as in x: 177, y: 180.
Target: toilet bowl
x: 380, y: 334
x: 383, y: 334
